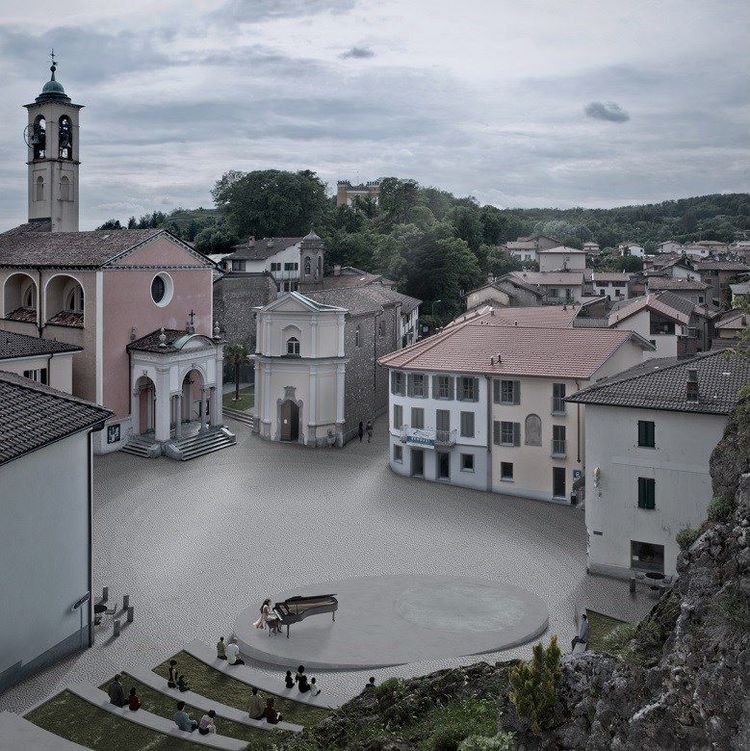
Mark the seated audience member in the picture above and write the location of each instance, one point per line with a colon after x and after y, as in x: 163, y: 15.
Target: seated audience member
x: 233, y: 653
x: 289, y: 680
x: 256, y: 707
x: 133, y: 701
x: 371, y: 682
x: 116, y: 692
x: 221, y: 649
x: 183, y: 720
x: 314, y: 690
x: 301, y: 680
x: 271, y: 714
x: 172, y: 680
x: 182, y: 683
x: 207, y: 724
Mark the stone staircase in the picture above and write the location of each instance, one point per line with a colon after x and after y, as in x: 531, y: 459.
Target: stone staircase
x: 243, y: 417
x: 200, y: 444
x: 144, y: 446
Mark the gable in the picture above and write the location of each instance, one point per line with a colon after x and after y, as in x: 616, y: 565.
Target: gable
x: 161, y: 251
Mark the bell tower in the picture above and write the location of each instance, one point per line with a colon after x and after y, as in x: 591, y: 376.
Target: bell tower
x: 312, y: 254
x: 52, y: 140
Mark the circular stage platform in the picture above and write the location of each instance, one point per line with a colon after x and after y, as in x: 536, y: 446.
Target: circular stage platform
x: 391, y: 620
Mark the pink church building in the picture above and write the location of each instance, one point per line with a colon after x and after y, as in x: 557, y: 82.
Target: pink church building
x: 139, y: 303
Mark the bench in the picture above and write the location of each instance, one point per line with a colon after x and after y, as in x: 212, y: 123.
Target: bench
x: 17, y: 733
x: 154, y: 722
x: 158, y: 683
x: 201, y: 651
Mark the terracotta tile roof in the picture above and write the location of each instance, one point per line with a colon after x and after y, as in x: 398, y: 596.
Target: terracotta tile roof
x: 20, y: 345
x: 736, y: 266
x: 348, y: 277
x: 66, y: 318
x: 259, y: 250
x: 173, y: 341
x: 564, y: 249
x: 542, y: 316
x: 474, y: 347
x: 733, y: 319
x: 33, y: 415
x: 670, y: 283
x: 719, y: 382
x: 27, y: 315
x: 550, y: 278
x: 609, y: 276
x: 355, y: 299
x: 649, y: 302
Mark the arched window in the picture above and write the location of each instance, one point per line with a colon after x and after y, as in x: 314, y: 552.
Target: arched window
x: 65, y: 194
x: 533, y: 430
x: 357, y: 337
x: 74, y: 300
x: 292, y: 346
x: 39, y: 196
x: 65, y: 138
x: 308, y: 266
x: 39, y: 137
x: 29, y: 298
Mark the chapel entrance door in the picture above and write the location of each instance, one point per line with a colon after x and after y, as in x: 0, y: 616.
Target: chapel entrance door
x: 289, y: 421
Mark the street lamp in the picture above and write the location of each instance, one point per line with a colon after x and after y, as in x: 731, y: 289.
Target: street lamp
x: 432, y: 307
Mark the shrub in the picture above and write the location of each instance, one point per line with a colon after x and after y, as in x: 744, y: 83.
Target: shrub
x: 391, y: 686
x: 734, y: 608
x: 502, y: 742
x: 686, y: 537
x: 617, y: 641
x: 534, y: 686
x: 447, y: 739
x: 721, y: 508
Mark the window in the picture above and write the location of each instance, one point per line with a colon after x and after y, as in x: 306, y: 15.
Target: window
x: 65, y: 148
x: 506, y: 471
x: 442, y: 387
x: 398, y: 454
x: 558, y: 398
x: 74, y: 300
x: 39, y: 375
x: 29, y: 297
x: 39, y: 195
x: 162, y: 289
x: 398, y: 416
x: 292, y: 346
x: 506, y: 392
x: 533, y: 430
x: 357, y: 337
x: 467, y: 462
x: 418, y: 385
x: 291, y: 266
x: 646, y: 557
x: 506, y: 433
x: 39, y: 137
x: 381, y: 327
x: 646, y: 434
x: 558, y: 440
x: 398, y: 383
x: 275, y: 266
x: 646, y: 493
x: 553, y: 292
x: 308, y: 266
x: 468, y: 389
x: 442, y: 421
x: 238, y: 265
x: 65, y: 192
x: 417, y: 417
x: 467, y: 424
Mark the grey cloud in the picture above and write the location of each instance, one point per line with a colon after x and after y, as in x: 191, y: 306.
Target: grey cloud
x: 255, y: 11
x: 606, y: 111
x: 359, y: 53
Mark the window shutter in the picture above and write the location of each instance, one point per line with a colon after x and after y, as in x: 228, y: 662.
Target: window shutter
x: 451, y: 385
x: 516, y: 433
x: 435, y: 388
x: 516, y: 392
x: 496, y: 432
x: 410, y: 385
x: 475, y: 381
x: 496, y: 391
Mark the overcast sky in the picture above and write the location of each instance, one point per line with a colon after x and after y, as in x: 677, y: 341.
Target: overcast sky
x: 533, y: 103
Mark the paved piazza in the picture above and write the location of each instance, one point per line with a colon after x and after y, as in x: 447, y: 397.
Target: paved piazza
x: 193, y: 543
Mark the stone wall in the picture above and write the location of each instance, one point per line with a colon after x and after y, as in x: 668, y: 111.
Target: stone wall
x: 235, y: 296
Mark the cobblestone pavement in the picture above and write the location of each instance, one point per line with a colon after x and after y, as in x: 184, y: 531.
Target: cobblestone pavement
x: 190, y: 541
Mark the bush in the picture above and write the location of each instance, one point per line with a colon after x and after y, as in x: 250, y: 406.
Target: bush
x: 447, y: 739
x: 391, y: 686
x: 534, y: 686
x: 720, y: 509
x: 617, y: 641
x: 502, y: 742
x: 686, y: 537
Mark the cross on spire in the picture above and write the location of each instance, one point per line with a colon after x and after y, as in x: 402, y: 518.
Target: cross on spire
x: 191, y: 325
x: 52, y: 67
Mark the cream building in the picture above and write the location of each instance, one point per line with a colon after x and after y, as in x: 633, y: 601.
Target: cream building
x: 44, y: 361
x: 562, y: 258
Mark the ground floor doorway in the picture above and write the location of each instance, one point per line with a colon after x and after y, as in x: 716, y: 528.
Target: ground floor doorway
x: 558, y: 482
x: 289, y: 421
x: 646, y: 556
x: 443, y: 465
x: 417, y: 462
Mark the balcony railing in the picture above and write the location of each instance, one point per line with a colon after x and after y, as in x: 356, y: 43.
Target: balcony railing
x: 428, y: 437
x: 558, y: 405
x: 558, y: 447
x: 445, y: 437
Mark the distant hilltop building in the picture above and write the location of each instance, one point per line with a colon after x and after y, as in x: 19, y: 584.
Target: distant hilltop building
x: 346, y: 192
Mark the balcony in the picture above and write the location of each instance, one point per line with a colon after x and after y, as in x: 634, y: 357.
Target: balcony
x: 427, y: 437
x: 558, y: 448
x: 558, y: 405
x: 445, y: 437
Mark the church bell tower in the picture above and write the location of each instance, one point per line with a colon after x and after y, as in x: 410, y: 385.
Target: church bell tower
x: 52, y: 140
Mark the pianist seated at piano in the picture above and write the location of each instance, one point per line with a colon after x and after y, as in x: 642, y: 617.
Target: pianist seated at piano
x: 295, y: 609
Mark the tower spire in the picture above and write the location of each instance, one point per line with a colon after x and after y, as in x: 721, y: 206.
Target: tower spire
x: 52, y: 67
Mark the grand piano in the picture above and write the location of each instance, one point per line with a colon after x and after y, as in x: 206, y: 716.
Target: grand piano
x: 298, y: 608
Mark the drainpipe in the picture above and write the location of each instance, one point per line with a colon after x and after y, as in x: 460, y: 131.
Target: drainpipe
x: 489, y: 432
x: 49, y: 370
x: 578, y: 426
x: 39, y: 324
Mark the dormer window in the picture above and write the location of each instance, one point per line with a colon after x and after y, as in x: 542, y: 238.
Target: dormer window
x: 292, y: 346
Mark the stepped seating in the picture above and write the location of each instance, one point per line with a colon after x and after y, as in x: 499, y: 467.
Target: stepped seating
x: 158, y: 683
x: 100, y: 699
x: 141, y: 445
x: 201, y: 651
x: 16, y: 733
x: 184, y: 449
x: 243, y: 417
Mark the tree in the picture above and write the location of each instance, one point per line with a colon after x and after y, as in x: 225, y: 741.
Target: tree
x: 500, y: 262
x: 111, y: 224
x: 629, y: 264
x: 236, y: 355
x: 214, y: 240
x: 534, y: 686
x: 268, y: 203
x: 494, y: 225
x: 468, y: 226
x: 396, y: 198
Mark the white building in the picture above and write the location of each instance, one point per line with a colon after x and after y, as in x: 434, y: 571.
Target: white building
x: 45, y: 361
x: 45, y: 537
x: 649, y: 437
x: 481, y: 404
x: 629, y: 249
x: 556, y: 286
x: 526, y: 249
x: 610, y: 284
x: 562, y: 258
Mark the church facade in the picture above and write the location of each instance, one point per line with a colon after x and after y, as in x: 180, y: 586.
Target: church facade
x: 138, y: 302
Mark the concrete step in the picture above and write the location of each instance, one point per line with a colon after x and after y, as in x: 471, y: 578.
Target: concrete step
x: 17, y: 733
x: 243, y: 417
x: 99, y: 699
x: 200, y: 444
x: 142, y: 446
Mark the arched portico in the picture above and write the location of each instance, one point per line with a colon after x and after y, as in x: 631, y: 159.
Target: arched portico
x: 144, y: 402
x: 20, y: 297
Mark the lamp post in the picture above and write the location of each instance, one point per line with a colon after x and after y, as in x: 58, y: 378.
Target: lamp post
x: 432, y: 307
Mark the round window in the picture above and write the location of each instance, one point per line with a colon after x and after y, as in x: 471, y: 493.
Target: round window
x: 161, y: 289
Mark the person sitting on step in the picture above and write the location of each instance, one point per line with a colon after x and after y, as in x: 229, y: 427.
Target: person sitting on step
x: 233, y: 653
x: 301, y: 680
x: 134, y: 703
x: 271, y: 715
x: 183, y: 720
x: 172, y: 679
x: 288, y: 680
x: 221, y: 649
x: 256, y: 707
x: 116, y: 692
x: 182, y: 683
x: 207, y: 724
x: 314, y: 690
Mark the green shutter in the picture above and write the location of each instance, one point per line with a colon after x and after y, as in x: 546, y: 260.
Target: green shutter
x: 496, y: 432
x: 496, y: 391
x: 516, y: 392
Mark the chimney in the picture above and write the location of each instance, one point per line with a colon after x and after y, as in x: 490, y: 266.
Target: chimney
x: 337, y: 269
x: 691, y: 392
